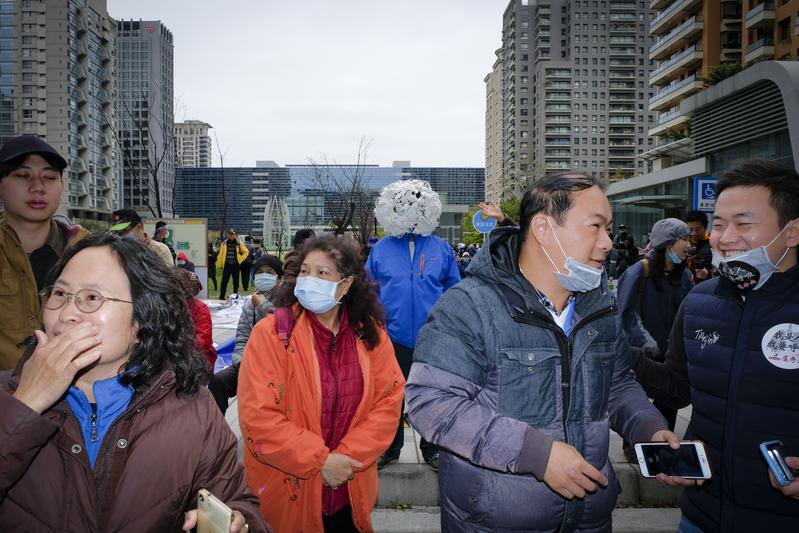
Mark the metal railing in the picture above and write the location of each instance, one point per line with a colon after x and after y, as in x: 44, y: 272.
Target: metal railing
x: 674, y: 60
x: 765, y: 6
x: 672, y: 88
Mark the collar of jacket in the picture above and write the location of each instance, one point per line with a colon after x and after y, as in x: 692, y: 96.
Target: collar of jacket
x: 501, y: 266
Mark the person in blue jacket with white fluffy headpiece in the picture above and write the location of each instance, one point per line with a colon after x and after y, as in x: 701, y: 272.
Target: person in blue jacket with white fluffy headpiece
x: 413, y: 268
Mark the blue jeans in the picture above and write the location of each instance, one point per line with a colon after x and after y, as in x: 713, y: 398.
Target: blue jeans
x: 686, y: 526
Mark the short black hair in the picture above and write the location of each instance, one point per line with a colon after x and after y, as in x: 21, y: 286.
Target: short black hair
x: 782, y: 183
x: 552, y: 195
x: 301, y: 236
x: 13, y: 164
x: 696, y: 216
x: 165, y: 337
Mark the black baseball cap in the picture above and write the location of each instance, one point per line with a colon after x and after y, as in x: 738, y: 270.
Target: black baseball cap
x: 30, y: 144
x: 123, y: 220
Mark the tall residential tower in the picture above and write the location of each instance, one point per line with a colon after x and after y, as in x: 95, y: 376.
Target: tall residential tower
x: 193, y: 144
x: 575, y: 87
x: 145, y: 110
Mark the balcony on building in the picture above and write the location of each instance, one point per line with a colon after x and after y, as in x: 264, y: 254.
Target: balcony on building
x: 731, y: 45
x: 796, y: 30
x: 553, y: 73
x: 621, y: 108
x: 558, y: 96
x: 676, y: 38
x: 677, y: 64
x: 760, y: 16
x: 622, y: 17
x: 669, y: 95
x: 672, y: 15
x: 557, y: 119
x: 658, y: 4
x: 556, y: 165
x: 557, y: 130
x: 622, y: 28
x: 78, y: 188
x: 621, y: 74
x: 622, y: 5
x: 557, y: 85
x: 557, y: 141
x: 622, y: 51
x: 760, y: 49
x: 79, y: 166
x: 542, y: 22
x: 621, y: 131
x: 557, y: 108
x: 666, y: 121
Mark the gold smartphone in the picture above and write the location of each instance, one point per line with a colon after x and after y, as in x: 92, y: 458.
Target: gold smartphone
x: 213, y: 516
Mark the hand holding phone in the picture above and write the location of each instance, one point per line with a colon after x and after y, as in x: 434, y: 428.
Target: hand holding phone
x: 689, y: 461
x: 213, y: 516
x: 772, y: 453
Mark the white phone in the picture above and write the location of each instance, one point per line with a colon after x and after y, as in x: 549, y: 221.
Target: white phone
x: 213, y: 516
x: 688, y: 461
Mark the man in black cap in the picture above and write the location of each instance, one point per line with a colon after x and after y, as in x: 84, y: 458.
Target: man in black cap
x: 31, y: 239
x: 128, y: 222
x: 161, y: 234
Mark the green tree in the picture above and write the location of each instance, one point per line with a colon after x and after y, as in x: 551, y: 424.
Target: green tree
x: 470, y: 235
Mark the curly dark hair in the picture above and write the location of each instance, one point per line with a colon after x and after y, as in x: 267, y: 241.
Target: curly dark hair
x: 165, y: 328
x: 363, y: 307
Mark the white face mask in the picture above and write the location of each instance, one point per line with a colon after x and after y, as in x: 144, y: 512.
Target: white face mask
x: 580, y: 277
x: 751, y: 269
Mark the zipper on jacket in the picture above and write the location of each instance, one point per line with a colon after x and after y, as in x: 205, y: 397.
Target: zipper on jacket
x: 565, y: 345
x: 94, y: 437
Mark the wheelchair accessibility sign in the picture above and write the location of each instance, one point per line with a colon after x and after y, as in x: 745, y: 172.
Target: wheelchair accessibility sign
x: 704, y: 193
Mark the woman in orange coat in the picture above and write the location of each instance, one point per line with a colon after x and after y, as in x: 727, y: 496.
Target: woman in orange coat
x: 319, y: 396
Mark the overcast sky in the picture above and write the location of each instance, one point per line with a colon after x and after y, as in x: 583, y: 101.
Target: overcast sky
x: 287, y: 80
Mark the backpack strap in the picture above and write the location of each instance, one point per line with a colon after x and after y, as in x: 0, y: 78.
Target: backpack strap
x: 284, y: 323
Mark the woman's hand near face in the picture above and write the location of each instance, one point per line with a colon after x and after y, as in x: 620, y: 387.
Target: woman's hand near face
x: 52, y: 367
x: 337, y: 470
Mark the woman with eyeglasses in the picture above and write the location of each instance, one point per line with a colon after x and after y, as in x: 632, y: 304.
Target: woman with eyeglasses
x: 320, y: 392
x: 105, y: 425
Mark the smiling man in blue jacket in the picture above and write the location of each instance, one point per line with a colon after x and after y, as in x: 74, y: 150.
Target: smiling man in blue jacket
x: 413, y: 268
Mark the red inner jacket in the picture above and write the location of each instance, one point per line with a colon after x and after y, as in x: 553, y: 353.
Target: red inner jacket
x: 203, y: 330
x: 342, y: 390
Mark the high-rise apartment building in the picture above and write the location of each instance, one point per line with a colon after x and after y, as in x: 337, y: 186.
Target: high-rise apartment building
x: 771, y: 29
x: 692, y: 37
x: 575, y: 87
x: 193, y: 146
x: 57, y: 73
x: 145, y: 113
x: 493, y: 133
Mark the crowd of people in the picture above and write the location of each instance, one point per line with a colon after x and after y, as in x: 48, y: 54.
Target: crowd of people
x: 512, y: 361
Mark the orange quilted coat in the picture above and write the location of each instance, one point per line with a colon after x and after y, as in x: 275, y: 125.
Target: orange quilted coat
x: 280, y: 404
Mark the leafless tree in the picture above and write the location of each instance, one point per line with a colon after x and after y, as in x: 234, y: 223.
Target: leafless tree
x: 347, y: 201
x: 144, y: 154
x: 222, y: 153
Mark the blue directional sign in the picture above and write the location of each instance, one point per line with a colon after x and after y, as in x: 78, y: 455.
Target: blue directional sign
x: 483, y: 223
x: 704, y: 193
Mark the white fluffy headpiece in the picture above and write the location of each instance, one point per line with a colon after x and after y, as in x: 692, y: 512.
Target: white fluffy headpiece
x: 408, y: 206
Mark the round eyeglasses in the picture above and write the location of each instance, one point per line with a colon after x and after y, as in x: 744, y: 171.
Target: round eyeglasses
x: 86, y: 300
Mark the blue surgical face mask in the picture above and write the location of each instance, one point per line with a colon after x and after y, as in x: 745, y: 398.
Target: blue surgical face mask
x: 264, y: 282
x: 580, y: 277
x: 751, y: 269
x: 675, y: 259
x: 316, y: 295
